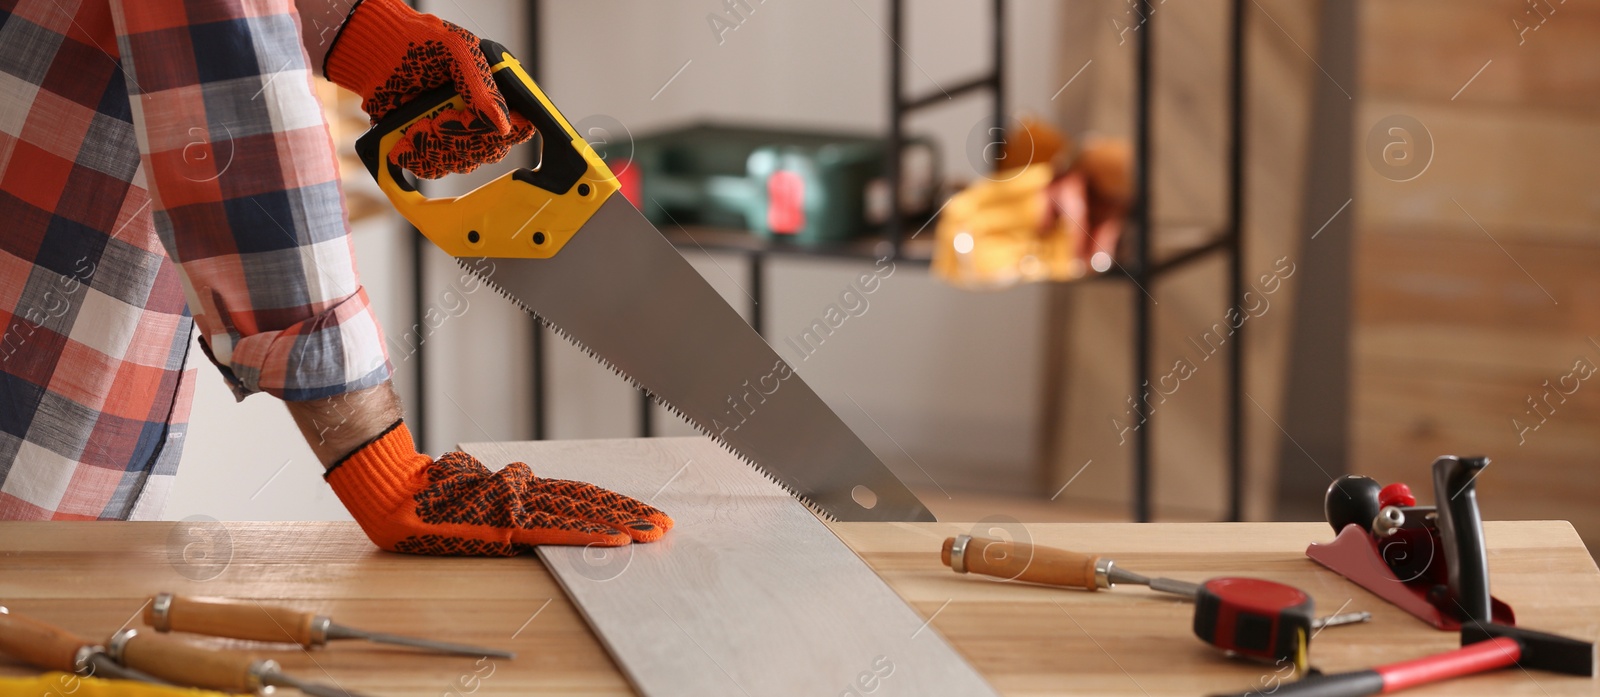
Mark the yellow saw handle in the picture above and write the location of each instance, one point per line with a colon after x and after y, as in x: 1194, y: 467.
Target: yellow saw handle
x: 528, y: 213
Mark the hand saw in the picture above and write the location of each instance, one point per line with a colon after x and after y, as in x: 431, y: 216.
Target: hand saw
x: 562, y: 244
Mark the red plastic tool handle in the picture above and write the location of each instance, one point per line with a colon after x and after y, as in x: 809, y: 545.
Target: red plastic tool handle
x: 1477, y: 658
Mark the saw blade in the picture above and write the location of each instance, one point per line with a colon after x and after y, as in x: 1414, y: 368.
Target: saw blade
x: 623, y: 294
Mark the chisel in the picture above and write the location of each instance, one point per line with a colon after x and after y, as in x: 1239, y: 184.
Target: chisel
x: 183, y: 663
x: 1250, y: 617
x: 53, y: 648
x: 254, y: 621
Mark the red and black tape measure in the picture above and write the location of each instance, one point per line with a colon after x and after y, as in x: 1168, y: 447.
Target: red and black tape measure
x: 1255, y: 618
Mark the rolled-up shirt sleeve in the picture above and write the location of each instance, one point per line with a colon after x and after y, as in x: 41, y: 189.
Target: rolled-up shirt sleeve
x: 320, y: 23
x: 245, y: 194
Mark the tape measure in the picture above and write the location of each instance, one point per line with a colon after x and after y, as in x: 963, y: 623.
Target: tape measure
x: 1255, y: 618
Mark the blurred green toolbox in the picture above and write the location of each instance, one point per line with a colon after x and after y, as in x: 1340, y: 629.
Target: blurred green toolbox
x: 803, y: 186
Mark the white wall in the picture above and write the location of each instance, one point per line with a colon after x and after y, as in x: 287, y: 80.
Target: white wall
x: 950, y: 376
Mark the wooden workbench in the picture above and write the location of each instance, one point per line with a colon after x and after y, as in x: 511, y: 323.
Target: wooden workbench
x: 94, y: 577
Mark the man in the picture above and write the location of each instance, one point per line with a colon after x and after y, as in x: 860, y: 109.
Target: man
x: 164, y: 165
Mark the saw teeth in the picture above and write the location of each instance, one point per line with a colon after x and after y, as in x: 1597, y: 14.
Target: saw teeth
x: 804, y: 499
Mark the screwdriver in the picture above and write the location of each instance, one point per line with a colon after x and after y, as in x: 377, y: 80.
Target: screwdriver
x: 189, y: 664
x: 1255, y: 618
x: 53, y: 648
x: 235, y: 620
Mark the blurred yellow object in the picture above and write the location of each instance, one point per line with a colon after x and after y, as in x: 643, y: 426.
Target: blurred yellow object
x: 1028, y: 223
x: 57, y: 683
x: 997, y: 233
x: 1032, y: 142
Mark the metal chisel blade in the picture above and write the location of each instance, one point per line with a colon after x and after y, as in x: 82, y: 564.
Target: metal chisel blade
x: 414, y: 642
x: 622, y: 292
x: 103, y: 666
x: 315, y: 689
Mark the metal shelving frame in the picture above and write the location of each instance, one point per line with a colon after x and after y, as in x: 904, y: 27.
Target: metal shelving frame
x: 1144, y: 271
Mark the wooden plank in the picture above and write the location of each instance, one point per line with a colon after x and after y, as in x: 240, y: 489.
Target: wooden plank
x: 750, y: 594
x: 1029, y: 641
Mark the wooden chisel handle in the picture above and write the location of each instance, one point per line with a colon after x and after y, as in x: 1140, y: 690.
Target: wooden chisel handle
x: 183, y: 663
x: 1020, y: 561
x: 38, y: 644
x: 235, y: 620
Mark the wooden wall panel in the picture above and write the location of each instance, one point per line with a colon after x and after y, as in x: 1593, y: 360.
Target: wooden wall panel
x: 1427, y: 49
x: 1518, y: 170
x: 1452, y: 341
x: 1475, y: 282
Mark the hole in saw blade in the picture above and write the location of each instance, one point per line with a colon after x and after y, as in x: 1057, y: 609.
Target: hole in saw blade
x: 863, y: 496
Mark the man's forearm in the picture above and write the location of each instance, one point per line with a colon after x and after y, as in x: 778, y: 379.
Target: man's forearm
x: 337, y: 426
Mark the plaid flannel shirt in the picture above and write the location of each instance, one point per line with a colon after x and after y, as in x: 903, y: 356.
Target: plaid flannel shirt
x: 159, y: 161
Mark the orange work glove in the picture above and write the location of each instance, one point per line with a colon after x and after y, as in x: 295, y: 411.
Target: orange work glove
x: 454, y: 506
x: 389, y: 54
